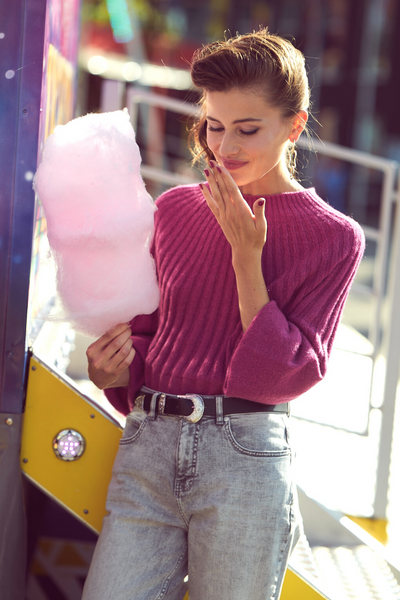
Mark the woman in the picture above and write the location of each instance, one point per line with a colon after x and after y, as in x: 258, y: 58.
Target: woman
x: 202, y: 483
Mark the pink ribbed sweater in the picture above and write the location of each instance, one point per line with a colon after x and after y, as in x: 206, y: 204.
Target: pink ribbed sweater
x: 194, y: 342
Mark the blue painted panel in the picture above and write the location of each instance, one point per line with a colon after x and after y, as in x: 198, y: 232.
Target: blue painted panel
x: 21, y: 59
x: 10, y: 48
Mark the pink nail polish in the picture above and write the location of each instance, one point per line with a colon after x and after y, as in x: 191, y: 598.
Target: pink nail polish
x: 219, y: 169
x: 211, y: 163
x: 201, y: 186
x: 261, y: 202
x: 207, y: 172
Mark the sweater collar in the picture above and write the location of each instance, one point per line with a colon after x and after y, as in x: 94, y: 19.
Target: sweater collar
x: 250, y: 199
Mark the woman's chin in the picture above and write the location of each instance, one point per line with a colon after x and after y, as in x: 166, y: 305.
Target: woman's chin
x: 238, y: 178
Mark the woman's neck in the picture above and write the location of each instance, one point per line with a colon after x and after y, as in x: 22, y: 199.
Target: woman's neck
x: 277, y: 181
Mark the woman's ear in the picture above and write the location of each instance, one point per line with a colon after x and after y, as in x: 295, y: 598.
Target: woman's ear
x: 298, y: 125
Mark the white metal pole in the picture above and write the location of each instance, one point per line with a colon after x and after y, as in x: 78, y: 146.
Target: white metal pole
x: 382, y: 251
x: 391, y: 348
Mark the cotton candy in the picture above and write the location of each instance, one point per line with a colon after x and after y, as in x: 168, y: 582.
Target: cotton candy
x: 100, y: 221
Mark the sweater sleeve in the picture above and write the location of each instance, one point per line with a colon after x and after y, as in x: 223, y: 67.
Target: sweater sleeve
x: 285, y: 352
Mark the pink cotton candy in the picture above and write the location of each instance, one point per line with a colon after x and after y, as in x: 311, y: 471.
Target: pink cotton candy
x: 100, y: 221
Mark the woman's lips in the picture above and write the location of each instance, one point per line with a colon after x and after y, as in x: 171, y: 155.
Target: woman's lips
x: 231, y: 165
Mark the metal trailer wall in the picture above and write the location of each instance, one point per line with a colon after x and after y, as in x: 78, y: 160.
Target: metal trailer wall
x: 21, y: 59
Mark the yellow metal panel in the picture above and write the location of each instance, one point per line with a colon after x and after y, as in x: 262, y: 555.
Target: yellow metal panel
x: 51, y: 406
x: 375, y: 527
x: 296, y: 588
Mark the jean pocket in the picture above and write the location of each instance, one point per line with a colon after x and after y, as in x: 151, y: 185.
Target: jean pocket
x: 135, y: 423
x: 258, y: 434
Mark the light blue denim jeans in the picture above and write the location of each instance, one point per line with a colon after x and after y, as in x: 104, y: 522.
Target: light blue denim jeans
x: 214, y: 500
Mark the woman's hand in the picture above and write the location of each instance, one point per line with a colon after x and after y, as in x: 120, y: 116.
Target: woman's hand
x: 245, y: 231
x: 109, y: 358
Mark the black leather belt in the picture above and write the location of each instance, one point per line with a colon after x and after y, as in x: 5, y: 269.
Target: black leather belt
x: 194, y: 406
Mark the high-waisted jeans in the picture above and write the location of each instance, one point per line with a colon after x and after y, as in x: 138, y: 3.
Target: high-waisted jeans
x: 214, y: 500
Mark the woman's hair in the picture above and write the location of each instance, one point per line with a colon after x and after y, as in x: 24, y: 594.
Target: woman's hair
x: 254, y: 62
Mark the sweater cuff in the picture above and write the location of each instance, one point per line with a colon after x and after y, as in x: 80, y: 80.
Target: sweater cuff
x: 123, y: 398
x: 238, y: 381
x: 136, y: 377
x: 118, y: 397
x: 272, y: 363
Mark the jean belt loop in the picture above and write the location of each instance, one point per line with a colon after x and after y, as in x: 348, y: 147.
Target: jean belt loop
x: 152, y: 411
x: 219, y: 410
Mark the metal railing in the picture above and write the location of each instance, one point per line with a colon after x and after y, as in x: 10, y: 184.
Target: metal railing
x: 380, y: 235
x: 136, y: 97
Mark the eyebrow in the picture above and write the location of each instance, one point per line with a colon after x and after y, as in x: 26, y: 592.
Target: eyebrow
x: 234, y: 122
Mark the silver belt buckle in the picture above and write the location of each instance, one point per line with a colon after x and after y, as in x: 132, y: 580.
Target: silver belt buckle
x: 139, y: 402
x: 198, y: 407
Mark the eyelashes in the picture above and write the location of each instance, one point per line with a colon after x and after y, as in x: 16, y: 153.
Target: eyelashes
x: 219, y: 129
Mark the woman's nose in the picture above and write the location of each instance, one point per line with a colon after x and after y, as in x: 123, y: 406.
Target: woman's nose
x: 229, y: 145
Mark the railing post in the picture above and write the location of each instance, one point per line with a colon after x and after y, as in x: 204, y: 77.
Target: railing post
x: 382, y: 252
x: 391, y: 349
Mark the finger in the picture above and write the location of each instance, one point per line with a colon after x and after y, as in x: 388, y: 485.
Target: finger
x: 111, y: 371
x: 222, y: 187
x: 219, y: 200
x: 116, y: 344
x: 107, y: 337
x: 209, y: 199
x: 101, y: 351
x: 127, y: 360
x: 119, y: 360
x: 124, y: 365
x: 230, y: 189
x: 259, y: 214
x: 117, y: 330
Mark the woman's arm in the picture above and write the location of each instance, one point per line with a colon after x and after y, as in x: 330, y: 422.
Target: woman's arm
x: 282, y: 353
x: 285, y: 351
x: 252, y: 291
x: 247, y: 233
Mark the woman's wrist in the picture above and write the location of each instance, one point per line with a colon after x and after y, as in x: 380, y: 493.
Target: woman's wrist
x: 252, y: 291
x: 248, y: 260
x: 121, y: 381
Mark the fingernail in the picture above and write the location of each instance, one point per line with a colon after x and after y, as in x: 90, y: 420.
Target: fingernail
x: 201, y: 186
x: 219, y: 169
x: 207, y: 172
x: 261, y: 202
x: 211, y: 163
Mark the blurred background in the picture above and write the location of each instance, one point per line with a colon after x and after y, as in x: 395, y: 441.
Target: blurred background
x: 351, y: 50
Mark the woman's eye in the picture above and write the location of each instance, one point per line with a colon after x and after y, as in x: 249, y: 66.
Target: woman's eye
x: 252, y: 132
x: 241, y: 131
x: 210, y: 128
